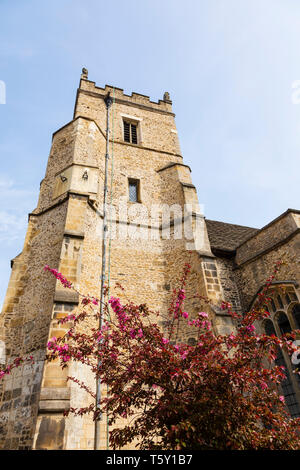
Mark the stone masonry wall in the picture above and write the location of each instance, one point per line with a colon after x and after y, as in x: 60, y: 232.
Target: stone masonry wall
x: 66, y: 234
x: 24, y: 326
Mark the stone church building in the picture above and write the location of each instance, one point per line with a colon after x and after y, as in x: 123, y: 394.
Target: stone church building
x: 228, y: 262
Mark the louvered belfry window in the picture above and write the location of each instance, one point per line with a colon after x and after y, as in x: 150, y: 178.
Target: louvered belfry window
x: 133, y: 190
x: 130, y: 132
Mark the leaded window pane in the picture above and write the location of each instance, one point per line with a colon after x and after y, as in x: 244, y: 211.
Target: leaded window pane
x: 133, y: 134
x: 133, y: 191
x: 130, y: 132
x: 279, y: 301
x: 283, y: 323
x: 287, y: 387
x: 126, y: 131
x: 269, y: 328
x: 296, y: 315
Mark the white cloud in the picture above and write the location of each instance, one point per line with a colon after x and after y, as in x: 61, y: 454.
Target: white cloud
x: 14, y: 50
x: 12, y: 227
x: 5, y: 183
x: 16, y: 202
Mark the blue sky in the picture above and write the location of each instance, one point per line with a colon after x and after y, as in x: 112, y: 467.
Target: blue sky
x: 229, y: 66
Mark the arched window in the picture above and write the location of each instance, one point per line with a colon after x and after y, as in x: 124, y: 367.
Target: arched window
x: 284, y: 317
x: 283, y: 323
x: 296, y: 315
x: 286, y: 385
x: 269, y: 328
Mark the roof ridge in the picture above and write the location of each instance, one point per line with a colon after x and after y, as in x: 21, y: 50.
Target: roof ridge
x: 233, y: 225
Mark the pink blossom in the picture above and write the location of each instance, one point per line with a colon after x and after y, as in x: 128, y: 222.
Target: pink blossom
x: 52, y: 343
x: 263, y: 385
x: 181, y: 294
x: 67, y: 318
x: 203, y: 314
x: 250, y: 328
x: 185, y: 314
x: 140, y: 333
x: 183, y: 354
x: 165, y: 340
x: 59, y: 276
x: 132, y: 333
x: 120, y: 312
x: 206, y: 325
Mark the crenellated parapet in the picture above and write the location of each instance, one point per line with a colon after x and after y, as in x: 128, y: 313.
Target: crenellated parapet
x: 135, y: 99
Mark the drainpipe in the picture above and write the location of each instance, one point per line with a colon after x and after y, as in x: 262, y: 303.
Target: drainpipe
x: 108, y: 102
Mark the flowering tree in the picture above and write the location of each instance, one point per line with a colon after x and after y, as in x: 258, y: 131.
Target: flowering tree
x: 221, y: 393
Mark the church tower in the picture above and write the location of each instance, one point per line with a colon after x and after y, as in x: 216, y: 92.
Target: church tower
x: 153, y: 198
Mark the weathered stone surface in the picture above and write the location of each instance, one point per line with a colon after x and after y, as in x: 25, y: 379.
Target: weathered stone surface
x: 50, y: 434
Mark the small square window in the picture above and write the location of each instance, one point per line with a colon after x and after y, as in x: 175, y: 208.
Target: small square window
x: 130, y: 132
x: 133, y: 190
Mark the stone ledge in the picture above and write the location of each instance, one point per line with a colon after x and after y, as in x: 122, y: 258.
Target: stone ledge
x: 54, y: 399
x: 170, y: 165
x: 188, y: 185
x: 219, y: 312
x: 49, y: 393
x: 205, y: 255
x: 75, y: 164
x: 66, y: 296
x: 73, y: 234
x: 53, y: 405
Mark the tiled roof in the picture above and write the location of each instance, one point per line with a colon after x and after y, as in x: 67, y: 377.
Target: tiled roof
x: 227, y: 237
